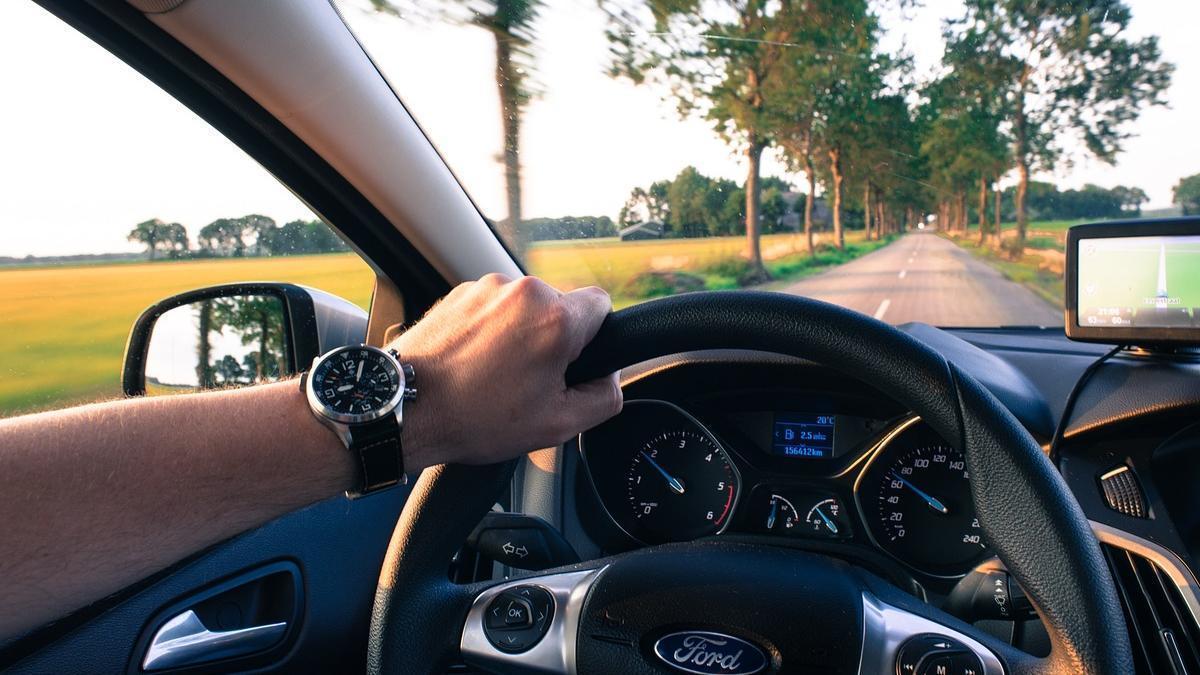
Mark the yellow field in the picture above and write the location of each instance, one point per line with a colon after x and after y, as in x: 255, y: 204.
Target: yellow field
x: 609, y: 262
x: 63, y: 328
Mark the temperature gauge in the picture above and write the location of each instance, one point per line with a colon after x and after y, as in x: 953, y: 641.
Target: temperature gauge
x: 824, y: 519
x: 818, y: 517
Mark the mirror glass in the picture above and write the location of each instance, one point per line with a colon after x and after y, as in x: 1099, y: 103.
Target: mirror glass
x: 219, y: 342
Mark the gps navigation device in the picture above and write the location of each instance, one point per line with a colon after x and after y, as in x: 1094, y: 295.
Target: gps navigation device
x: 1134, y: 282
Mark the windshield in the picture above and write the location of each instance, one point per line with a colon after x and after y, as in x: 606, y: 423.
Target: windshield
x: 911, y: 162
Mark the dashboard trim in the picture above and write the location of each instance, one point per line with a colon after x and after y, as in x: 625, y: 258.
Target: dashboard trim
x: 1163, y: 558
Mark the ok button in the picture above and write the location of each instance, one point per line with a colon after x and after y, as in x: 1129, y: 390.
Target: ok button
x: 518, y: 613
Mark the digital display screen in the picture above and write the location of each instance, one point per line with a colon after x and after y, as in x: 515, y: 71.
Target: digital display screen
x: 803, y: 435
x: 1151, y: 282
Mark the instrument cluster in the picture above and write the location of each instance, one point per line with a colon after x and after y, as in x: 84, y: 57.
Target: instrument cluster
x: 662, y: 475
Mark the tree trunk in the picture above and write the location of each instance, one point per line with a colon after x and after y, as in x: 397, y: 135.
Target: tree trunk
x: 753, y: 203
x: 867, y: 211
x: 204, y: 375
x: 908, y: 217
x: 996, y: 230
x: 835, y: 168
x: 983, y: 191
x: 508, y: 83
x: 264, y: 325
x: 811, y: 172
x: 1022, y: 153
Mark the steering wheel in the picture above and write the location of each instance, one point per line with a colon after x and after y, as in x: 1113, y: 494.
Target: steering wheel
x: 723, y: 607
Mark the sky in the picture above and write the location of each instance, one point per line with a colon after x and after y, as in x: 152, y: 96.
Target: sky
x: 90, y: 148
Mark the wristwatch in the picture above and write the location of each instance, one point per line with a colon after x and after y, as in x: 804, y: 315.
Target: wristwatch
x: 359, y: 391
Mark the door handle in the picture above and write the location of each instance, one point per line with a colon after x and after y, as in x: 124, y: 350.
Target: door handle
x: 185, y: 641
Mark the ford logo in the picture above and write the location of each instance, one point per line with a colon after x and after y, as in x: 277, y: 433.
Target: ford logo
x: 705, y: 653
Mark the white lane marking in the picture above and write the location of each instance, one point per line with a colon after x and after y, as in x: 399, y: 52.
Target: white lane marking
x: 883, y: 307
x: 903, y: 273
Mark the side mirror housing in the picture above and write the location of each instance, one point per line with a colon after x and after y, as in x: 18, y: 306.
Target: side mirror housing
x: 235, y: 335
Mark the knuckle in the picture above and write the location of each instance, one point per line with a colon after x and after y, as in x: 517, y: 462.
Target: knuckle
x: 529, y: 287
x: 493, y: 279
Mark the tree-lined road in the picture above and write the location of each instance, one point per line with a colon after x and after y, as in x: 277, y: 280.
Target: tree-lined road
x: 923, y: 277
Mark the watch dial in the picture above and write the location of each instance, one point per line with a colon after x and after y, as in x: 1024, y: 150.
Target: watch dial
x: 356, y: 381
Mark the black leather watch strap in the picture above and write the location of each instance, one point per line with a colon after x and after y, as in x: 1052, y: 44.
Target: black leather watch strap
x: 380, y: 454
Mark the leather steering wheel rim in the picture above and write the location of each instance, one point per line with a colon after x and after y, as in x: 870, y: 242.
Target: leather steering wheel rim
x: 1026, y: 510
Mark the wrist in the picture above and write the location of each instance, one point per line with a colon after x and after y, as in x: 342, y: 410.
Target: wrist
x: 419, y: 433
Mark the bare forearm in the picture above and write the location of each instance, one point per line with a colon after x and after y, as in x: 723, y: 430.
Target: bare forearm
x: 98, y: 497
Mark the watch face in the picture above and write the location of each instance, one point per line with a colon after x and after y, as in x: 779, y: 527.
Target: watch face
x: 356, y: 381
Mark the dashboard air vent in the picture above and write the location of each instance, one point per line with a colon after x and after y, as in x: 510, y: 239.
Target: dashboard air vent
x: 1123, y: 493
x: 1162, y: 630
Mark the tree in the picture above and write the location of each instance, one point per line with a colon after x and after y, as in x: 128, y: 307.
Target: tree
x: 646, y: 205
x: 175, y: 241
x: 511, y: 23
x: 720, y: 68
x: 1186, y: 194
x: 156, y: 235
x: 223, y: 236
x: 1072, y: 71
x: 261, y: 228
x: 1131, y: 198
x: 852, y: 79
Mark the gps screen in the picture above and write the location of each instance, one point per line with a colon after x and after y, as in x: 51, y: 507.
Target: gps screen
x: 1139, y: 282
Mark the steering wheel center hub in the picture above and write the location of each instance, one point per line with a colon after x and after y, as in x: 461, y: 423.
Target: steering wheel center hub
x: 713, y: 607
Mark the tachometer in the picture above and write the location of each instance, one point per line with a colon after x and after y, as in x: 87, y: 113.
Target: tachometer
x: 681, y: 485
x: 660, y: 474
x: 916, y: 499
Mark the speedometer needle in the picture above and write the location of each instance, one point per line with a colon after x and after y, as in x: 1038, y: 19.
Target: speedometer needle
x: 672, y: 482
x: 929, y: 499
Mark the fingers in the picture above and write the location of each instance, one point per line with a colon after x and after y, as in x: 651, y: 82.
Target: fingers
x: 591, y: 403
x: 587, y: 308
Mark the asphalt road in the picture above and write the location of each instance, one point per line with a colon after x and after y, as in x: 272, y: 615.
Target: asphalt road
x: 923, y: 277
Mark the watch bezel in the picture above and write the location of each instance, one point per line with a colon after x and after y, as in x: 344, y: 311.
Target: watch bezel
x: 392, y: 405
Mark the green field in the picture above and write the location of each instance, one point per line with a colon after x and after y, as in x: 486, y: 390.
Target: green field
x: 64, y: 327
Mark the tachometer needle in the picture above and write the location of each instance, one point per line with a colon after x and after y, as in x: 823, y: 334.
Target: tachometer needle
x: 929, y: 499
x: 672, y: 482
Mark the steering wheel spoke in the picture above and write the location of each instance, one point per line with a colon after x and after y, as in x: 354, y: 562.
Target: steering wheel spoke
x: 529, y: 625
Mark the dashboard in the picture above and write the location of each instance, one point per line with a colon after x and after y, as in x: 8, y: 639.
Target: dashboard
x: 825, y: 471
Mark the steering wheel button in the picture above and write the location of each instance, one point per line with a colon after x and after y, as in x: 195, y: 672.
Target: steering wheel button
x: 518, y: 613
x: 967, y: 664
x: 939, y: 665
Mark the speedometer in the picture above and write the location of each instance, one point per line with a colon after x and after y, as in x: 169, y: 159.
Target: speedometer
x: 916, y: 499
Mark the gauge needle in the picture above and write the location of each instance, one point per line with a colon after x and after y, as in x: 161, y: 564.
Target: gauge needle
x: 771, y: 515
x: 929, y: 499
x: 828, y: 523
x: 673, y: 482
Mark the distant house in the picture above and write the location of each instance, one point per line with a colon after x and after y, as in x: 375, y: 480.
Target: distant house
x: 794, y: 220
x: 650, y: 230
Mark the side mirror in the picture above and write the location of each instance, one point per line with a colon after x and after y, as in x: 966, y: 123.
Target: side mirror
x: 235, y: 335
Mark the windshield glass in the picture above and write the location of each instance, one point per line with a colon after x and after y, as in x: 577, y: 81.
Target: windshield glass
x: 912, y: 162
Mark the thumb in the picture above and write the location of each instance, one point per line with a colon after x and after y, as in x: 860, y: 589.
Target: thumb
x: 591, y: 403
